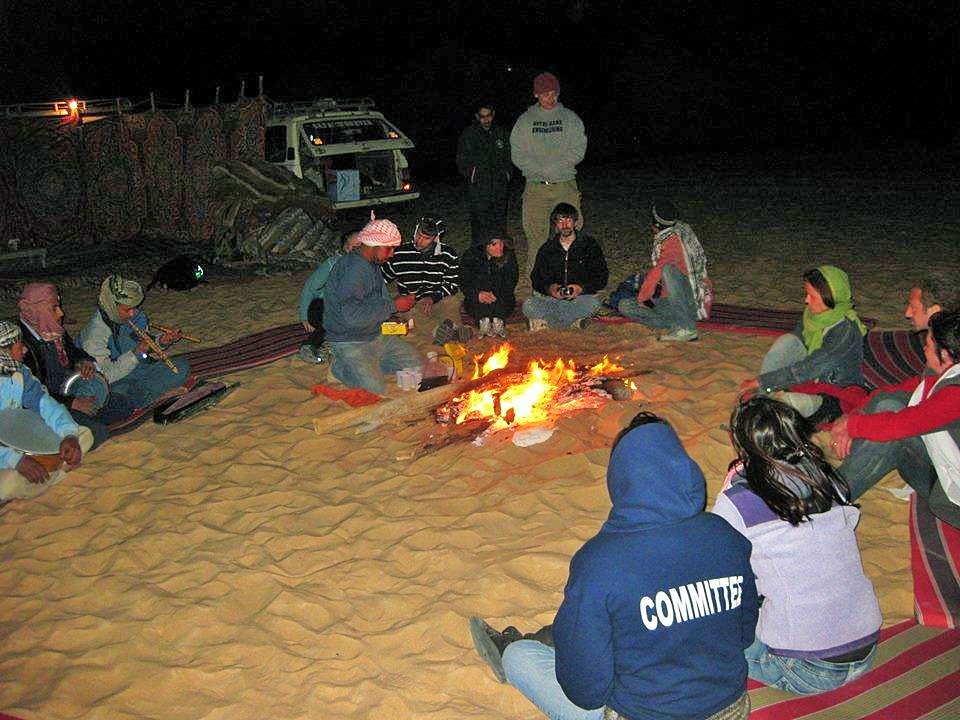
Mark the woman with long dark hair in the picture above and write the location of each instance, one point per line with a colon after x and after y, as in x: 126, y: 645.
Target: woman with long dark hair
x: 819, y: 618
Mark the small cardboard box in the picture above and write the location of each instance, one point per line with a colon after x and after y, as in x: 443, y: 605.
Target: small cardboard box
x: 343, y: 185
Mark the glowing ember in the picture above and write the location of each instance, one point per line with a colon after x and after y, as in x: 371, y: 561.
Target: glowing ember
x: 527, y: 400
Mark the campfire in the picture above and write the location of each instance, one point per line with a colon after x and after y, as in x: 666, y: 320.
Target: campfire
x: 543, y: 390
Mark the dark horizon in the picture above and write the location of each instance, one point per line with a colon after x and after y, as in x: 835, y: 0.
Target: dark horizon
x: 645, y: 80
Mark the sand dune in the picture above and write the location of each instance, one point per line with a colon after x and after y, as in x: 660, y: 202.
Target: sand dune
x: 238, y: 565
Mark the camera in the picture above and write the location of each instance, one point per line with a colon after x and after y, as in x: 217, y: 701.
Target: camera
x: 566, y: 291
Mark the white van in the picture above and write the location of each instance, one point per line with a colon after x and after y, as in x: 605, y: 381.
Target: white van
x: 348, y: 150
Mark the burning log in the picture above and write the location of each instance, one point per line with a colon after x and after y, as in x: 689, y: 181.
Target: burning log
x: 409, y: 405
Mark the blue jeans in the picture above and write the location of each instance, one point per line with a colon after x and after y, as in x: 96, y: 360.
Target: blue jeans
x: 785, y: 351
x: 675, y: 308
x: 149, y: 380
x: 801, y: 676
x: 531, y: 667
x: 560, y: 313
x: 869, y: 461
x: 362, y: 364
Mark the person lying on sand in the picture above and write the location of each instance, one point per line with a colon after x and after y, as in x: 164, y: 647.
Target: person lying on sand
x: 675, y: 292
x: 55, y: 359
x: 311, y: 302
x: 356, y: 302
x: 827, y: 344
x: 114, y: 338
x: 659, y: 606
x: 913, y: 427
x: 23, y: 476
x: 568, y: 272
x: 820, y: 619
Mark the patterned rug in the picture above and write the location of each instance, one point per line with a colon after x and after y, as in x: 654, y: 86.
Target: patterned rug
x: 916, y: 675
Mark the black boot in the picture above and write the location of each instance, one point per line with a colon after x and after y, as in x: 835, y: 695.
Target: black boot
x: 490, y: 644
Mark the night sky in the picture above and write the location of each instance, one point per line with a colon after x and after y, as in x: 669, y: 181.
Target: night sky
x: 657, y: 79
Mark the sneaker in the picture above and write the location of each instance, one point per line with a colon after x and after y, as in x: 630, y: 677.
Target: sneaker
x: 580, y: 323
x: 537, y: 324
x: 484, y: 328
x: 490, y: 644
x: 309, y: 354
x: 462, y: 333
x: 680, y: 335
x: 444, y: 332
x: 497, y: 328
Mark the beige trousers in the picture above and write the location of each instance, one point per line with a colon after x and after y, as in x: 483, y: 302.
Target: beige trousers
x: 424, y: 321
x: 15, y: 486
x: 538, y: 202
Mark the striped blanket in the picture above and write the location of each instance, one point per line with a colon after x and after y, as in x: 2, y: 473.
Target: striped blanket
x: 248, y: 352
x: 916, y: 675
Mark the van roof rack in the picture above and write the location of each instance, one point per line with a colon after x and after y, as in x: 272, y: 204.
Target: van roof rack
x: 61, y: 108
x: 321, y: 106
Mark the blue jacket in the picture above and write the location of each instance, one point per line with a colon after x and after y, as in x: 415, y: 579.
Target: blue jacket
x: 839, y: 361
x: 355, y: 300
x: 313, y: 287
x: 661, y: 603
x: 21, y: 390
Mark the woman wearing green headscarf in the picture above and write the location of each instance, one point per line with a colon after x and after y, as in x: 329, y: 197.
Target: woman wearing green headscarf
x: 826, y: 346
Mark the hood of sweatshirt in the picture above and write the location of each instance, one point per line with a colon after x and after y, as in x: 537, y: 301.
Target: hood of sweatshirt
x: 652, y: 481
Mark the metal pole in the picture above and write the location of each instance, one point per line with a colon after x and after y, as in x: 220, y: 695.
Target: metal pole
x: 216, y: 99
x: 153, y: 105
x: 260, y: 85
x: 186, y: 100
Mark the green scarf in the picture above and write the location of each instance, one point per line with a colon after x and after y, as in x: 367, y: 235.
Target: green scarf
x: 814, y: 326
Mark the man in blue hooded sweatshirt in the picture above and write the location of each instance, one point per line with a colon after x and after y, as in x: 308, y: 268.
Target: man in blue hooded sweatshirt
x: 659, y: 606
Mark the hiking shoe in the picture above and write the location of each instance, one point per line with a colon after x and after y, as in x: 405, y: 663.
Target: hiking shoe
x: 484, y: 328
x: 497, y: 328
x: 680, y: 335
x: 444, y: 332
x: 490, y: 644
x: 309, y: 354
x: 537, y: 324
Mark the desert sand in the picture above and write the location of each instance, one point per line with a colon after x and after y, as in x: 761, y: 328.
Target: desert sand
x: 238, y: 565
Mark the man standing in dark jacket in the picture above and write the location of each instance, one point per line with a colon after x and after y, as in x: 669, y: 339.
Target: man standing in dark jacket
x: 483, y: 158
x: 569, y: 270
x: 658, y: 608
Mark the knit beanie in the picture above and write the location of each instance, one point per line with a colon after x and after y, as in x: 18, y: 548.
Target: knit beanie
x: 545, y: 82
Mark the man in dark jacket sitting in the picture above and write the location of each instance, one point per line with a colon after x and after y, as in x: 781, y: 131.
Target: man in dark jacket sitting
x: 568, y: 272
x: 54, y: 358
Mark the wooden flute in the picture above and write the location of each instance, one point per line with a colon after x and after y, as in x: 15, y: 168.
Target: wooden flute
x: 152, y: 344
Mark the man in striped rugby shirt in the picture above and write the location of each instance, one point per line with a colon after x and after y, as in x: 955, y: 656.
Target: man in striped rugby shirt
x: 429, y: 269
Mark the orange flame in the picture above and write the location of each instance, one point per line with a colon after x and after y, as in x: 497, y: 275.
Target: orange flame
x: 498, y: 359
x: 529, y: 398
x: 605, y: 367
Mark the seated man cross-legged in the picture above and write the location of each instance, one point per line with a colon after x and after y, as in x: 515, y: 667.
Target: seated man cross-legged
x: 912, y: 427
x: 22, y: 475
x: 356, y: 302
x: 675, y: 292
x: 568, y: 272
x: 659, y: 606
x: 121, y: 353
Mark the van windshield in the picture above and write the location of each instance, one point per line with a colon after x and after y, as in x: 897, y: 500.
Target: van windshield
x: 348, y: 130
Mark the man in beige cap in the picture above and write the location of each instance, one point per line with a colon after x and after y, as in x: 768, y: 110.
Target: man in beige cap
x: 547, y: 143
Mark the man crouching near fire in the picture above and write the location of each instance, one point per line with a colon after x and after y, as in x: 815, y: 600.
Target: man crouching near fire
x: 659, y: 606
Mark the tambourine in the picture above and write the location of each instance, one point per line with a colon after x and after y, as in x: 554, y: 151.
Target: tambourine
x: 100, y: 397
